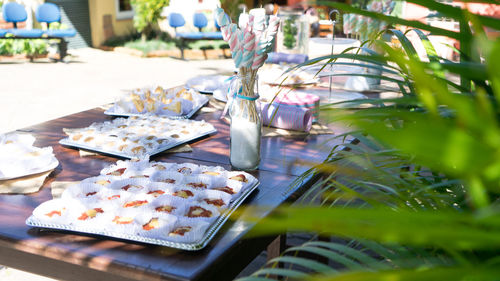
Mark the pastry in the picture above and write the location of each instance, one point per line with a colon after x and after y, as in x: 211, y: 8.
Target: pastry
x: 197, y: 185
x: 102, y: 182
x: 135, y: 203
x: 90, y: 214
x: 239, y: 177
x: 152, y: 224
x: 122, y: 220
x: 129, y: 186
x: 180, y: 231
x: 53, y: 213
x: 174, y: 106
x: 226, y: 189
x: 211, y: 173
x: 167, y: 180
x: 113, y: 197
x: 215, y: 202
x: 165, y: 208
x: 117, y: 172
x: 197, y: 211
x: 183, y: 193
x: 156, y: 193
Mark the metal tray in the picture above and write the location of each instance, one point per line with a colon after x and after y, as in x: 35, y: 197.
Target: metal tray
x: 209, y: 234
x: 187, y: 116
x: 161, y: 148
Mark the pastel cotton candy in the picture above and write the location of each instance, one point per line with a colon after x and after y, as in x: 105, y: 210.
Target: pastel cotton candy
x: 222, y: 18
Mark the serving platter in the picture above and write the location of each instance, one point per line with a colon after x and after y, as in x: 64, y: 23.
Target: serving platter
x: 112, y: 111
x: 65, y: 214
x: 161, y: 148
x: 136, y: 137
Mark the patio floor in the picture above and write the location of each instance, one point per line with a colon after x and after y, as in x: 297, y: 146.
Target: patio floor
x: 31, y: 93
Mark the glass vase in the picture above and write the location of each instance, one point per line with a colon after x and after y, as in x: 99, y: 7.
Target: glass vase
x: 246, y: 123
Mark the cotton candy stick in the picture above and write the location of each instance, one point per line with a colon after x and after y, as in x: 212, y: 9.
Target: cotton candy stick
x: 248, y: 49
x: 221, y: 17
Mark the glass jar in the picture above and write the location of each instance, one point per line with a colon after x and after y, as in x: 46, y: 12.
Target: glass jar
x: 293, y: 36
x: 246, y: 123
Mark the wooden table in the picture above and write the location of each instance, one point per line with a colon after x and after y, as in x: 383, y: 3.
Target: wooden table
x: 67, y: 256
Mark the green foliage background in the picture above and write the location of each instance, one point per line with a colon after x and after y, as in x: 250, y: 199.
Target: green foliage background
x: 418, y: 197
x: 147, y: 14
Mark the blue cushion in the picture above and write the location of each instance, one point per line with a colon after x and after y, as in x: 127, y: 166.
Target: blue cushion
x: 176, y: 20
x: 14, y: 12
x: 212, y: 35
x: 48, y: 13
x: 190, y: 35
x: 60, y: 32
x: 3, y: 32
x: 31, y: 33
x: 200, y: 20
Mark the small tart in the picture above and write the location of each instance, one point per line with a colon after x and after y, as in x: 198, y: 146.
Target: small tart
x: 139, y: 177
x: 156, y: 193
x: 139, y: 104
x: 90, y: 214
x: 113, y: 197
x: 180, y: 231
x: 239, y: 177
x: 53, y: 213
x: 129, y: 186
x: 198, y: 211
x: 138, y: 149
x: 152, y: 224
x: 76, y: 137
x: 135, y: 203
x: 211, y: 173
x: 174, y: 106
x: 226, y: 189
x: 165, y: 208
x: 159, y: 90
x: 185, y: 170
x: 215, y: 202
x: 167, y: 180
x: 123, y: 220
x: 159, y: 167
x: 197, y: 185
x: 117, y: 172
x: 183, y: 193
x: 102, y: 182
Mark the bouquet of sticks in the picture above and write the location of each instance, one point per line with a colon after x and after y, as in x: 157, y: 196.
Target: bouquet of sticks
x: 249, y: 45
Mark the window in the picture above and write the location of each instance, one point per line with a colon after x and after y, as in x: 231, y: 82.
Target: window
x: 123, y: 9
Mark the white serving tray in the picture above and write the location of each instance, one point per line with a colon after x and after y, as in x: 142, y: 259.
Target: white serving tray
x: 209, y: 234
x: 52, y: 165
x: 161, y: 148
x: 197, y: 107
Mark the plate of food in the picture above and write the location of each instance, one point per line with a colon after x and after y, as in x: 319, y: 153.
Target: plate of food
x: 176, y: 103
x: 176, y: 205
x: 137, y: 136
x: 19, y: 158
x: 207, y: 84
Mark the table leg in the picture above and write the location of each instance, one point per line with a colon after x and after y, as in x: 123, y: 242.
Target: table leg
x: 276, y: 247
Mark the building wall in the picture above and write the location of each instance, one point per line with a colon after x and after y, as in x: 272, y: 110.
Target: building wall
x: 103, y: 22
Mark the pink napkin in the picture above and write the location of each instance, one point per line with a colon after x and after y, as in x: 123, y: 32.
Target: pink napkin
x: 287, y: 117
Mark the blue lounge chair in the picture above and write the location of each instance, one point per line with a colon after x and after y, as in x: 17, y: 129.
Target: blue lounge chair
x: 48, y: 13
x: 14, y: 13
x: 200, y: 21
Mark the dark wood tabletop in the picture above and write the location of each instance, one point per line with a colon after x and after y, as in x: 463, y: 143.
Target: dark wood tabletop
x: 69, y: 256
